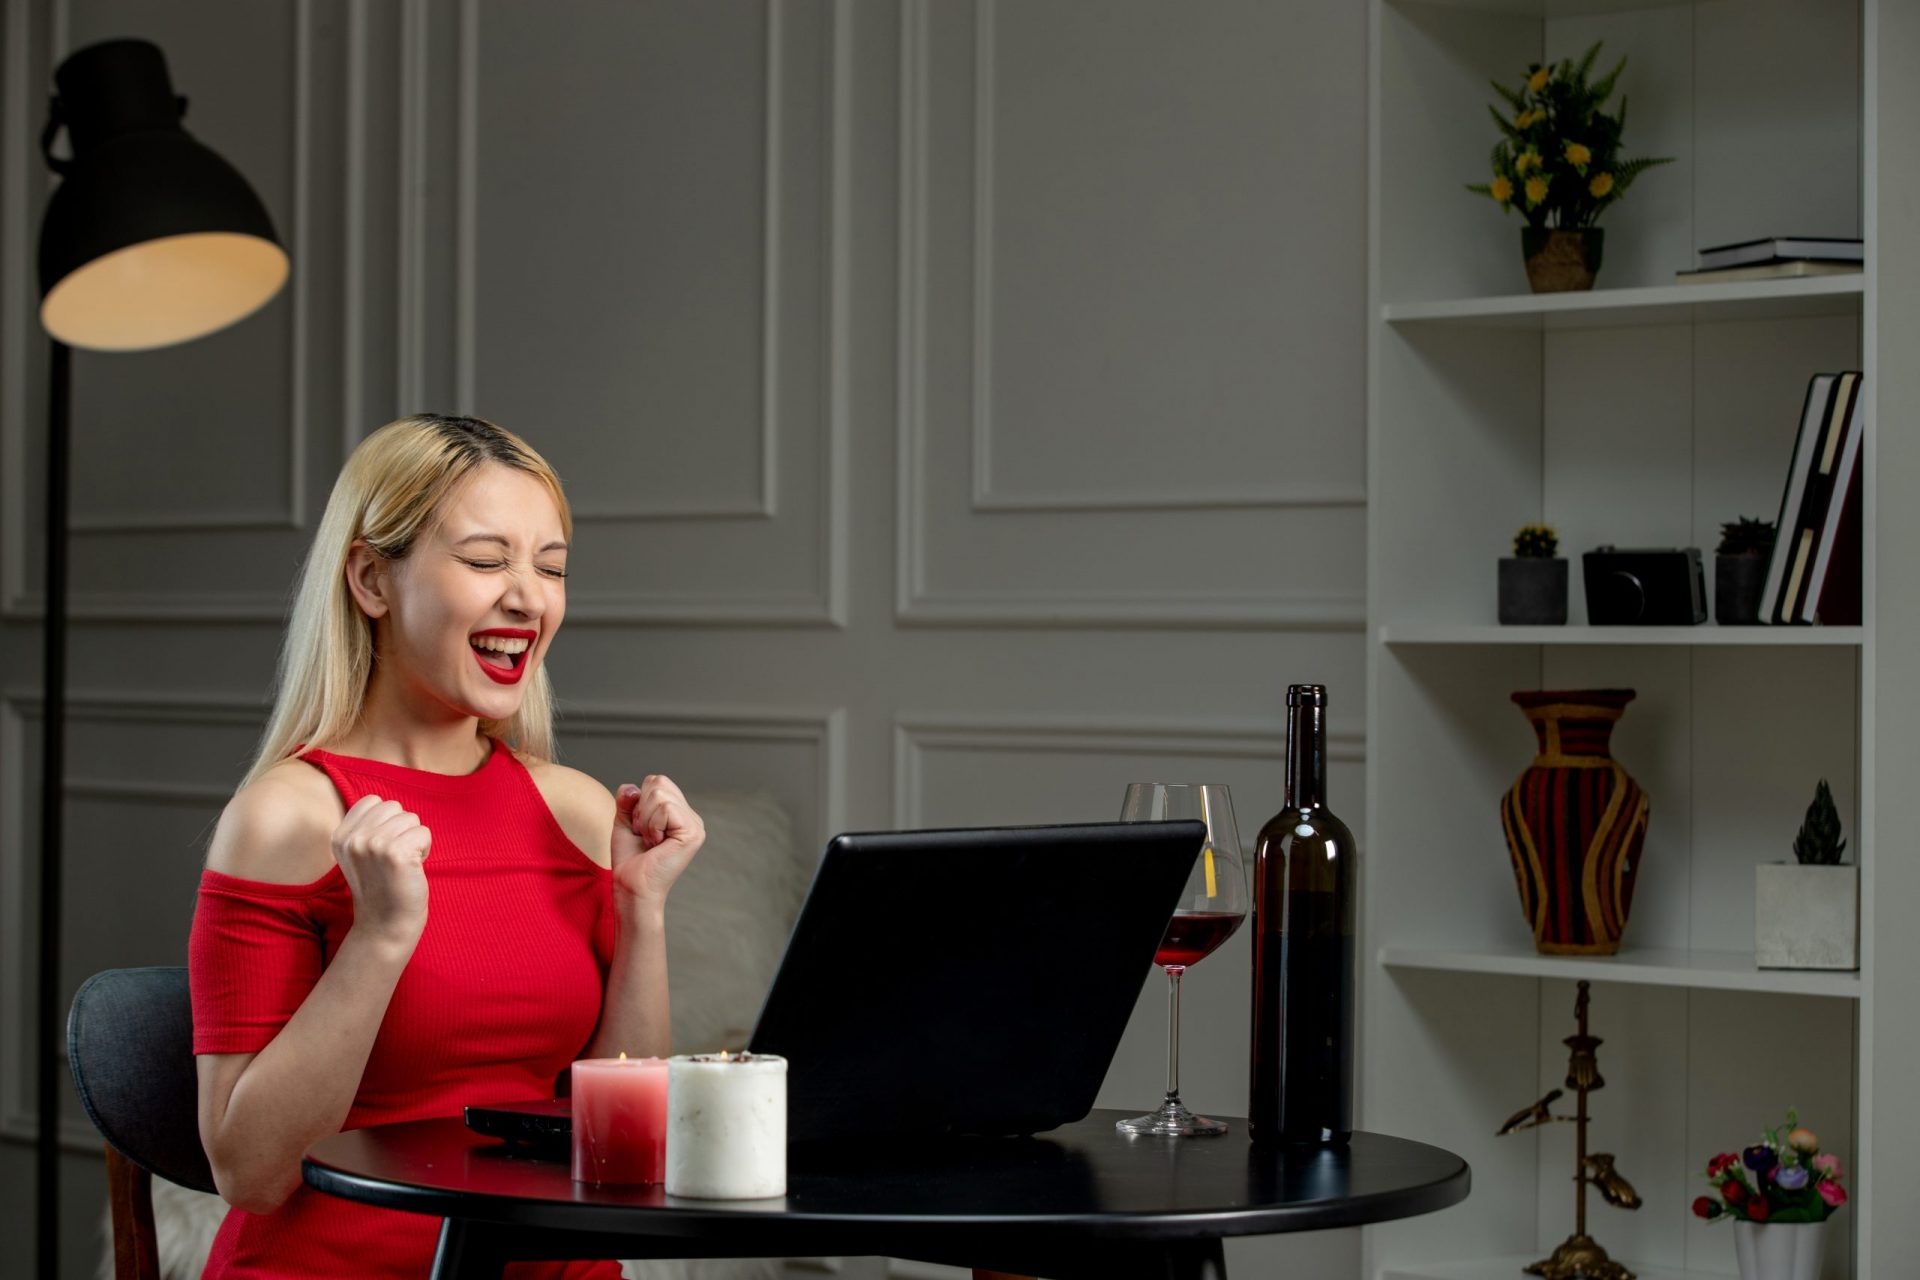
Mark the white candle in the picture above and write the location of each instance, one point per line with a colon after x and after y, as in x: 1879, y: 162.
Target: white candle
x: 727, y: 1126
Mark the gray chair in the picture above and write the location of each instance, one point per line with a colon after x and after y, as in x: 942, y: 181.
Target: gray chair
x: 130, y: 1045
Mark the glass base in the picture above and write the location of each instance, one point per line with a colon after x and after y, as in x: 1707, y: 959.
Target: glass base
x: 1172, y: 1120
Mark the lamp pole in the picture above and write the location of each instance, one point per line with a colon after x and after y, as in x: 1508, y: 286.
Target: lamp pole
x: 150, y: 239
x: 53, y: 722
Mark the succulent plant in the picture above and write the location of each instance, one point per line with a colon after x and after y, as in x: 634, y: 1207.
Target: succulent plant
x: 1819, y: 843
x: 1744, y: 537
x: 1536, y: 542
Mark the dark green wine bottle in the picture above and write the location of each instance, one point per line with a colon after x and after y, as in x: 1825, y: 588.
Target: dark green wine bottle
x: 1303, y: 927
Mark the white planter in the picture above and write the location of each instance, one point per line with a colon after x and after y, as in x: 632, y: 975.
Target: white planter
x: 1778, y: 1250
x: 1806, y: 917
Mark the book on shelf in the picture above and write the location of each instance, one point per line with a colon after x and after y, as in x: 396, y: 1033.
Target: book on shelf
x: 1813, y: 573
x: 1792, y: 269
x: 1777, y: 248
x: 1813, y: 417
x: 1834, y: 587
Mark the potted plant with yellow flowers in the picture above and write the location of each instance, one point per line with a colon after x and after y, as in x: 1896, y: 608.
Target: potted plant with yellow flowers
x: 1558, y: 162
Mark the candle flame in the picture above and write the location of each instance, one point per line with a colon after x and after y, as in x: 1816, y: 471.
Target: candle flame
x: 623, y: 1055
x: 723, y: 1056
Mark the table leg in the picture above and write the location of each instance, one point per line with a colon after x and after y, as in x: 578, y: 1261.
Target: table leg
x: 1175, y: 1260
x: 467, y: 1252
x: 1194, y: 1260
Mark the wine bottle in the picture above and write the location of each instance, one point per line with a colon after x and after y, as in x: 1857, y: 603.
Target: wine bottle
x: 1303, y: 917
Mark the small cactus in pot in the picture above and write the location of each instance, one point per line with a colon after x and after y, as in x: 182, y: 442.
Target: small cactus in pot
x: 1533, y: 580
x: 1807, y: 912
x: 1740, y: 571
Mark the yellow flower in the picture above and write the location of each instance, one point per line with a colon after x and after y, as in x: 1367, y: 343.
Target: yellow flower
x: 1537, y: 81
x: 1526, y: 160
x: 1602, y: 183
x: 1525, y: 119
x: 1536, y: 190
x: 1502, y: 189
x: 1578, y: 156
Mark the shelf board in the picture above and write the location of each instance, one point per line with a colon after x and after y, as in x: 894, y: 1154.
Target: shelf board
x: 1655, y: 304
x: 1509, y: 1268
x: 1645, y: 966
x: 1442, y: 633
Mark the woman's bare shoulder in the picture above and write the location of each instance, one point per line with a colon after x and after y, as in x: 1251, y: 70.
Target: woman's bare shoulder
x: 581, y: 804
x: 279, y: 828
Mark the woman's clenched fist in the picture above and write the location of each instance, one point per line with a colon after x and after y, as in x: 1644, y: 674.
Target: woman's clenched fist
x: 382, y: 851
x: 655, y: 835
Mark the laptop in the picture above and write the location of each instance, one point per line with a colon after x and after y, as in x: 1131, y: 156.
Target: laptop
x: 968, y: 982
x: 965, y: 982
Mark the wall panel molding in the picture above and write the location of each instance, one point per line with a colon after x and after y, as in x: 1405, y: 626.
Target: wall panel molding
x: 19, y: 713
x: 916, y: 601
x: 915, y: 735
x: 1307, y: 493
x: 825, y: 730
x: 825, y: 607
x: 466, y: 289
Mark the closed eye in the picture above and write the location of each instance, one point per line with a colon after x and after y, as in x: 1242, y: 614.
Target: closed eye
x: 549, y: 570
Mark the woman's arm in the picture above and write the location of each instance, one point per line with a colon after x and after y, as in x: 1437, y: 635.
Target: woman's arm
x: 259, y: 1112
x: 634, y: 1016
x: 655, y: 834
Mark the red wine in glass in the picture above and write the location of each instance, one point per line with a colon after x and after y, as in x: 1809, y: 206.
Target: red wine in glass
x: 1205, y: 916
x: 1192, y: 936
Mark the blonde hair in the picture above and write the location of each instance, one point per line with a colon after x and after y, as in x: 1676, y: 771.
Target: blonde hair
x: 388, y: 494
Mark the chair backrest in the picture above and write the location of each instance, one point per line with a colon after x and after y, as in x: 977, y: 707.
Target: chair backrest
x: 130, y: 1044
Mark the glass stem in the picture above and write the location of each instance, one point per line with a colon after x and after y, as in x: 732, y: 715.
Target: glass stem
x: 1173, y: 1030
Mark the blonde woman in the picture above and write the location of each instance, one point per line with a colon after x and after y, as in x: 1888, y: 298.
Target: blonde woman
x: 408, y: 906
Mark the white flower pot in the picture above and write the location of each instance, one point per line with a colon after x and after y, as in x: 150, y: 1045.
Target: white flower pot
x: 1806, y: 917
x: 1778, y: 1250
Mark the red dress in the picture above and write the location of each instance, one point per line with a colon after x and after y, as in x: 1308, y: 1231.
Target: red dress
x: 502, y: 992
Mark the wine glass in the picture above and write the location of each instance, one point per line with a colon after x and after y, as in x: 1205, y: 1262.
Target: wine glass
x: 1210, y: 911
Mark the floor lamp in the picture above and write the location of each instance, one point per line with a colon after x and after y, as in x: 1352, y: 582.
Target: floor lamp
x: 149, y: 240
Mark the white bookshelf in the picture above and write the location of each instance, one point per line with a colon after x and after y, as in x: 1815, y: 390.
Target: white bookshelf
x: 1643, y: 413
x: 1654, y: 304
x: 1642, y: 966
x: 1445, y: 633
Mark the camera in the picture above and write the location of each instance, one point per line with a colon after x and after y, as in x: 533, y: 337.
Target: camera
x: 1659, y: 587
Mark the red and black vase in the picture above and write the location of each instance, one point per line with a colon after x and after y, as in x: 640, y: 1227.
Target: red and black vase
x: 1575, y: 823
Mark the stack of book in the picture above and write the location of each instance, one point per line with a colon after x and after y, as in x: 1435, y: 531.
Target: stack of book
x: 1814, y: 575
x: 1778, y: 258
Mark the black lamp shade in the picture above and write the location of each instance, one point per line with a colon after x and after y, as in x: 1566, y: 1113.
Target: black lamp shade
x: 151, y: 239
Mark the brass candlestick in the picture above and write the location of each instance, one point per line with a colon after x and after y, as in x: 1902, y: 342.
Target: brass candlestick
x: 1579, y: 1256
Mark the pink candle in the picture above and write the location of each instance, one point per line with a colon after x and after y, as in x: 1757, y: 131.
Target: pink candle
x: 620, y: 1120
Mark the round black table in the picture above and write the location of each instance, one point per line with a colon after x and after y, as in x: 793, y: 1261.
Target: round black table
x: 1081, y: 1201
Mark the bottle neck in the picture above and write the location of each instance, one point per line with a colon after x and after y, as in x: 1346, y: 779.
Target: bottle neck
x: 1306, y: 756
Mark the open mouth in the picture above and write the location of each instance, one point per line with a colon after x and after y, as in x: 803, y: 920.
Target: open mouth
x: 502, y: 655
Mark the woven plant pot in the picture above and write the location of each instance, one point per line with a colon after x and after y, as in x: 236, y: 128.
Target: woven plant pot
x: 1561, y: 260
x: 1575, y: 823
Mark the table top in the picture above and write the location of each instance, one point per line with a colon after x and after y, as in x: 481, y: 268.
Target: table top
x: 1081, y: 1176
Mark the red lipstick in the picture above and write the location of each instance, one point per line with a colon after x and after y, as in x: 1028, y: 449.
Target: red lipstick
x: 512, y: 674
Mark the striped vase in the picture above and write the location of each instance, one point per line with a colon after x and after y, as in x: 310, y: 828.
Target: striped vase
x: 1575, y: 823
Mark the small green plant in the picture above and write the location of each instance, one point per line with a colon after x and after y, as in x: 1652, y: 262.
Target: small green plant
x: 1536, y: 542
x: 1819, y: 843
x: 1744, y: 537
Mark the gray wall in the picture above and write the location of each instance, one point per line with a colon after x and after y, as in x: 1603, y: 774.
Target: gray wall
x: 962, y: 403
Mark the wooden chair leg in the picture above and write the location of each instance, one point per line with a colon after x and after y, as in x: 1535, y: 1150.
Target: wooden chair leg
x: 136, y: 1249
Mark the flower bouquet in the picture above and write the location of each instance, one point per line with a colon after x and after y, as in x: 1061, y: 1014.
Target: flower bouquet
x: 1778, y: 1193
x: 1559, y: 162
